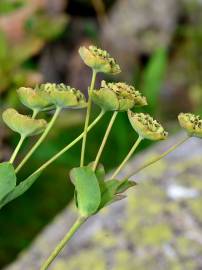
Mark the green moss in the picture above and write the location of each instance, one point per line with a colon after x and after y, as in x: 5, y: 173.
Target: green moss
x: 195, y: 207
x: 155, y: 235
x: 123, y: 260
x: 85, y: 260
x: 106, y: 239
x: 157, y: 169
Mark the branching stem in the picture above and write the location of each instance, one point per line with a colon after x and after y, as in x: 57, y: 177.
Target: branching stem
x: 138, y: 141
x: 14, y: 155
x: 104, y: 140
x: 87, y: 119
x: 40, y: 140
x: 22, y: 138
x: 154, y: 160
x: 66, y: 148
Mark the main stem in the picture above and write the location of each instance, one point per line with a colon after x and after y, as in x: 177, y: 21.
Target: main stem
x: 104, y: 140
x: 22, y: 138
x: 127, y: 157
x: 66, y: 148
x: 87, y: 119
x: 63, y: 242
x: 158, y: 157
x: 40, y: 140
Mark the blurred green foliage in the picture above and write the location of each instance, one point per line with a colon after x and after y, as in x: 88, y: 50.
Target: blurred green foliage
x: 7, y: 6
x: 15, y: 56
x: 152, y: 79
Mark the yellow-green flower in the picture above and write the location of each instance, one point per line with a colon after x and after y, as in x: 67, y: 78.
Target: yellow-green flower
x: 146, y: 126
x: 99, y: 60
x: 63, y: 96
x: 23, y: 124
x: 191, y: 123
x: 33, y: 98
x: 117, y: 97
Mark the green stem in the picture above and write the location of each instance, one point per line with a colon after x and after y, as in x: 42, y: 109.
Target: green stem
x: 35, y: 112
x: 138, y: 141
x: 66, y: 148
x: 40, y: 140
x: 158, y: 157
x: 87, y: 119
x: 22, y: 138
x: 63, y: 242
x: 104, y: 140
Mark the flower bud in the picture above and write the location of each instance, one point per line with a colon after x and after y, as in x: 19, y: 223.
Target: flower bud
x: 33, y: 98
x: 99, y: 60
x: 63, y: 96
x: 23, y: 124
x: 146, y: 126
x: 191, y: 123
x: 117, y: 97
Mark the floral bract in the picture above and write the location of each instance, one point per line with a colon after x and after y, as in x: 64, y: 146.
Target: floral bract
x: 33, y: 98
x: 63, y: 96
x: 191, y: 123
x: 22, y: 124
x: 146, y: 126
x: 117, y: 97
x: 99, y: 60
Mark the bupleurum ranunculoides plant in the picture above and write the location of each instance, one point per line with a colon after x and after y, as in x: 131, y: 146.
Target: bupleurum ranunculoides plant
x: 93, y: 189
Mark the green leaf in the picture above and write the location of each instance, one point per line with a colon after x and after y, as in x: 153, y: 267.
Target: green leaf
x: 87, y: 190
x: 20, y: 189
x: 109, y: 192
x: 100, y: 174
x: 112, y: 190
x: 7, y: 179
x: 124, y: 185
x: 116, y: 198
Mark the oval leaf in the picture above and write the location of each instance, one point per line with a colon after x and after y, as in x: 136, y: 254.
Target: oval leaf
x: 100, y: 174
x: 87, y: 190
x: 7, y: 179
x: 20, y: 189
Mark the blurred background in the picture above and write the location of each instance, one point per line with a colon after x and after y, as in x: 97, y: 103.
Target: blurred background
x: 158, y: 45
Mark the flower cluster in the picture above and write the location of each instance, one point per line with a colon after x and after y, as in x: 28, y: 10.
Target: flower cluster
x: 62, y: 95
x: 23, y: 124
x: 34, y: 99
x: 191, y: 123
x: 47, y: 96
x: 146, y: 126
x: 99, y: 60
x: 117, y: 97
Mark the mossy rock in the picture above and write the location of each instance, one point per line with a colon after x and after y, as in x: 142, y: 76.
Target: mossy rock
x: 157, y: 227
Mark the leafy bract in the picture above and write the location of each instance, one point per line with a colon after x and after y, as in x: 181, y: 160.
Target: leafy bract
x: 20, y: 189
x: 88, y: 195
x: 113, y: 191
x: 7, y: 179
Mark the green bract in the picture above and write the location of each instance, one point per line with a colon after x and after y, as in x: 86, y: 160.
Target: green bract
x: 146, y: 126
x: 191, y: 123
x: 88, y: 195
x: 33, y: 98
x: 63, y: 96
x: 117, y: 97
x: 99, y: 60
x: 22, y: 124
